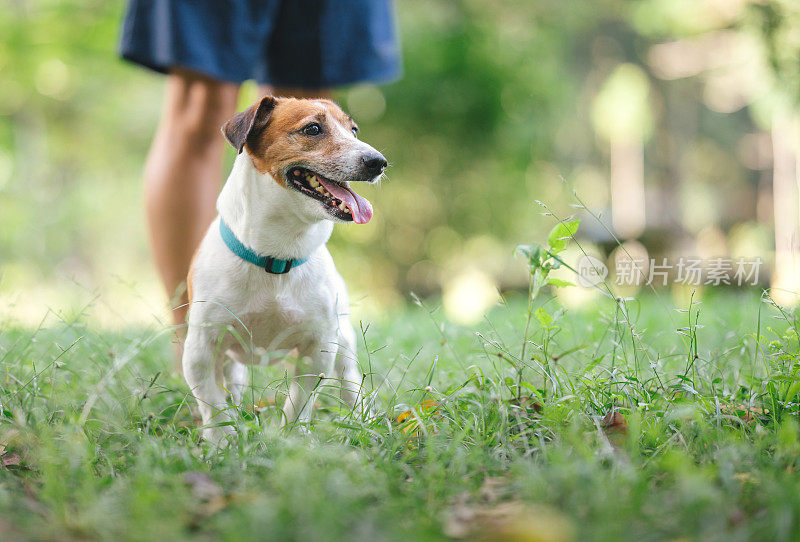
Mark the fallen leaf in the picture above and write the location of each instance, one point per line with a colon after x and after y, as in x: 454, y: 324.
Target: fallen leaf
x: 493, y: 489
x: 736, y: 517
x: 211, y: 497
x: 214, y: 505
x: 12, y: 460
x: 263, y: 405
x: 527, y: 403
x: 509, y: 521
x: 414, y: 425
x: 614, y: 422
x: 615, y: 431
x: 744, y: 412
x: 745, y: 478
x: 425, y: 407
x: 460, y: 517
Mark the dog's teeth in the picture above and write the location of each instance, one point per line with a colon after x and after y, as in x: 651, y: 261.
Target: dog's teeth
x: 342, y: 206
x: 320, y: 190
x: 313, y: 182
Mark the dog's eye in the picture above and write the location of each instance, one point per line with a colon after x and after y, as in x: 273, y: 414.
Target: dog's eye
x: 355, y: 130
x: 312, y: 129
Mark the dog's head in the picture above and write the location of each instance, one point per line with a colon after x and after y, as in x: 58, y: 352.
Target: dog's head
x: 309, y: 147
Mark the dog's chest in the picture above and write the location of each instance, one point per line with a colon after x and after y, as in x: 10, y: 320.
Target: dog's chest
x: 288, y: 319
x: 270, y: 318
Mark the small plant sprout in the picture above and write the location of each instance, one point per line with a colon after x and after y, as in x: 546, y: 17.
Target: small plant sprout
x: 541, y: 261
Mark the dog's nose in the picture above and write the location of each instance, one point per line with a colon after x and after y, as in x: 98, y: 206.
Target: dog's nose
x: 374, y: 163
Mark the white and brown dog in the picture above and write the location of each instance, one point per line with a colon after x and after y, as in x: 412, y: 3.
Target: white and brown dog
x: 262, y: 276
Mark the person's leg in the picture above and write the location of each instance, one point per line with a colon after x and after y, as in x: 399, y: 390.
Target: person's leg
x: 294, y: 92
x: 183, y: 175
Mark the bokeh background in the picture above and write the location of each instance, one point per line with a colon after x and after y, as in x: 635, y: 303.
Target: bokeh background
x: 674, y: 121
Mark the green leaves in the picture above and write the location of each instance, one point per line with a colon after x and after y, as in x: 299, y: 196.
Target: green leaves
x: 545, y: 259
x: 552, y: 281
x: 561, y: 234
x: 532, y: 252
x: 541, y: 261
x: 544, y: 319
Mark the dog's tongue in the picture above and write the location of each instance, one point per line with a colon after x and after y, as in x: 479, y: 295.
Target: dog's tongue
x: 360, y: 207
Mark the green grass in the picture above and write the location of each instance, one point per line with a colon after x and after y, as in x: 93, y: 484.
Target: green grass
x: 101, y: 442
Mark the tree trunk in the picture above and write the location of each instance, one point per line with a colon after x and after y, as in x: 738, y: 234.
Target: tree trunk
x: 786, y: 197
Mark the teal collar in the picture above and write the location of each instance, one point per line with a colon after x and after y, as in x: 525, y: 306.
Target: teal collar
x: 276, y: 266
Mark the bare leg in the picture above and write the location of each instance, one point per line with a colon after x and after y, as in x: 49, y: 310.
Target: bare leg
x: 183, y: 173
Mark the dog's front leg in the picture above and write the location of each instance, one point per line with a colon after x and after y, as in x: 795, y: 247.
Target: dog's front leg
x: 235, y: 373
x: 347, y: 370
x: 309, y: 375
x: 203, y: 374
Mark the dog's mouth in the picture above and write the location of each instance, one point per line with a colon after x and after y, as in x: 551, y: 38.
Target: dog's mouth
x: 337, y: 198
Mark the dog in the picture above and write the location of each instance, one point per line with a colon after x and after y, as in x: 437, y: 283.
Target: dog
x: 262, y: 277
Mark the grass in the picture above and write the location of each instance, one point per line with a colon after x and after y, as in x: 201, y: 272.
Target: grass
x: 633, y: 420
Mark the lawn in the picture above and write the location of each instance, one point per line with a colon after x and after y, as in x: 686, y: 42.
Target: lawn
x: 629, y: 420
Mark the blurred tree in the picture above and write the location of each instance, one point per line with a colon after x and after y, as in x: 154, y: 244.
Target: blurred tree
x: 748, y: 55
x: 622, y: 116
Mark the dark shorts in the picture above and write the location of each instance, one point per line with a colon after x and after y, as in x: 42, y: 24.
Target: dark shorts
x: 293, y: 43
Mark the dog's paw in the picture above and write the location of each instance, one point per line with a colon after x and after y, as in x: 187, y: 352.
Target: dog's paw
x: 364, y: 411
x: 220, y: 437
x: 302, y: 430
x: 368, y: 415
x: 297, y: 428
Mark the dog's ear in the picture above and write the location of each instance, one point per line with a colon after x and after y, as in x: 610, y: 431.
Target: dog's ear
x: 249, y: 122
